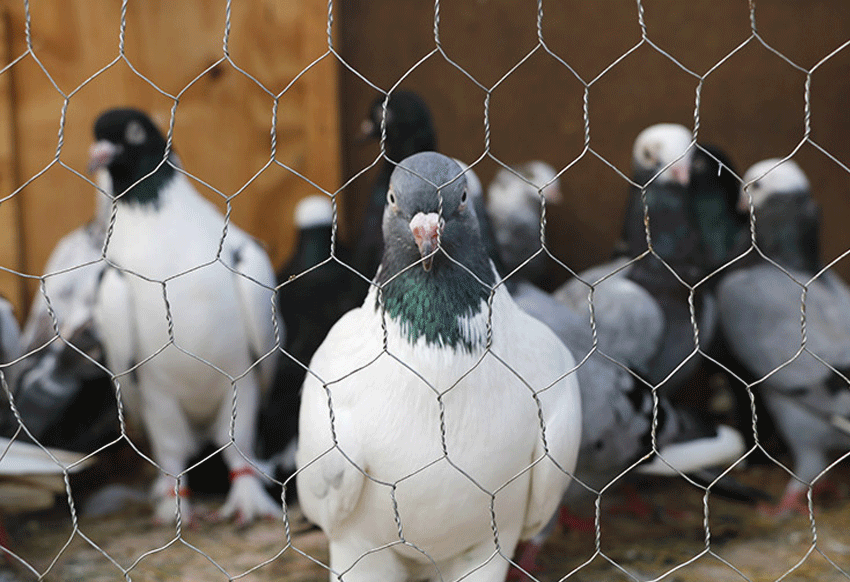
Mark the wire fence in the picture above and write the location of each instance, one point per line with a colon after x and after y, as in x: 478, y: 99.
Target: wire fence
x: 289, y: 550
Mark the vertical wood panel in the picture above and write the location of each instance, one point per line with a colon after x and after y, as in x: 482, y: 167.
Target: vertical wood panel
x: 11, y: 285
x: 223, y: 122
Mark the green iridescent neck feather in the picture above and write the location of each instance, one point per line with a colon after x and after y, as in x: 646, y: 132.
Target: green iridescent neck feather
x: 439, y: 305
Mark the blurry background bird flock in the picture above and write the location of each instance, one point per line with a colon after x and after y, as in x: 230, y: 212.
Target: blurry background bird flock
x: 204, y: 378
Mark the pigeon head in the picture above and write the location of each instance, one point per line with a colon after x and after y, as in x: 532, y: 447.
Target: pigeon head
x: 313, y: 211
x: 431, y: 245
x: 667, y: 147
x: 771, y: 177
x: 788, y: 218
x: 429, y: 206
x: 129, y: 147
x: 410, y: 128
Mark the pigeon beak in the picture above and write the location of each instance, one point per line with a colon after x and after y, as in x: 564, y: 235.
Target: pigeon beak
x: 552, y: 193
x: 101, y: 154
x: 426, y: 229
x: 368, y: 131
x: 680, y: 172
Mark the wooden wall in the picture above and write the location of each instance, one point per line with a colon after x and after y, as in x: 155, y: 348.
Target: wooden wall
x: 222, y: 125
x: 752, y: 104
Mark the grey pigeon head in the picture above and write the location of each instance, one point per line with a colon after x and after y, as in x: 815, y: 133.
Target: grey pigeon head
x: 434, y: 261
x: 429, y: 206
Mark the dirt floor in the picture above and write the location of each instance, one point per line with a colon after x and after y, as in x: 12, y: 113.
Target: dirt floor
x: 632, y: 548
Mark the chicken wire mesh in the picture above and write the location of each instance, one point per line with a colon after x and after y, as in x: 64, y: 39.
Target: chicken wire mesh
x: 289, y: 547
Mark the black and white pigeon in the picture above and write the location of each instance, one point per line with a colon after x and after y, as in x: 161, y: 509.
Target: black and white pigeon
x: 761, y: 305
x: 404, y: 446
x: 186, y: 316
x: 313, y: 293
x: 62, y: 394
x: 409, y: 130
x: 662, y: 157
x: 514, y: 205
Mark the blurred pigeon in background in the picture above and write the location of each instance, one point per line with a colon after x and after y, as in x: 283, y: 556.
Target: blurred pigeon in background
x: 186, y: 316
x: 314, y: 292
x: 760, y: 307
x: 409, y: 130
x: 514, y: 205
x: 617, y: 409
x: 10, y: 336
x: 388, y: 407
x: 63, y: 396
x: 662, y: 158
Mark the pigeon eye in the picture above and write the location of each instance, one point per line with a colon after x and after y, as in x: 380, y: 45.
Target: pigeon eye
x: 463, y: 197
x: 135, y: 133
x: 391, y: 198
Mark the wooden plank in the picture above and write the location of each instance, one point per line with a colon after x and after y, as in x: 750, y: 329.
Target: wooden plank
x: 11, y: 251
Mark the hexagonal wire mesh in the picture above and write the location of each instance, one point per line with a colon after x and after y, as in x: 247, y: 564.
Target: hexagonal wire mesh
x: 498, y: 544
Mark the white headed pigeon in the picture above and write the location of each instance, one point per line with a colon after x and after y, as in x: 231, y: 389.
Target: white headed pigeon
x: 761, y: 307
x: 416, y: 455
x: 186, y: 315
x: 662, y: 157
x: 514, y: 205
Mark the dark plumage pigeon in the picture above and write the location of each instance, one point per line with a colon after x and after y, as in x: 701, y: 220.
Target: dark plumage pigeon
x: 409, y: 130
x: 761, y: 307
x: 186, y: 316
x: 313, y: 293
x: 448, y: 406
x: 662, y: 158
x: 713, y: 191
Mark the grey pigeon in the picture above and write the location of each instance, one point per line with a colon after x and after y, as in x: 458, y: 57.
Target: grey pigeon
x: 761, y: 306
x: 10, y: 335
x: 437, y: 411
x: 617, y: 409
x: 186, y: 316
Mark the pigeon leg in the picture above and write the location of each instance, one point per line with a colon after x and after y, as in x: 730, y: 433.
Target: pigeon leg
x: 527, y: 562
x: 172, y: 443
x: 247, y: 499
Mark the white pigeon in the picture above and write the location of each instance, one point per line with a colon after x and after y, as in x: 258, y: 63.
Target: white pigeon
x: 760, y: 307
x: 418, y: 459
x: 514, y: 206
x: 186, y: 316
